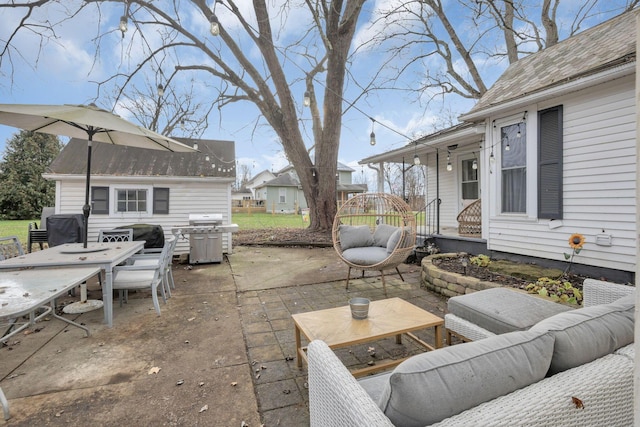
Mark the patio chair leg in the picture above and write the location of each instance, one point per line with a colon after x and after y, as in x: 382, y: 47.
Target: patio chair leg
x: 348, y: 277
x: 384, y: 285
x: 154, y: 297
x: 448, y: 336
x: 399, y: 274
x: 5, y: 405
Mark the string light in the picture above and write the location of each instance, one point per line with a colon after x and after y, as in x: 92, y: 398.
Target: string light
x: 449, y: 167
x: 372, y: 136
x: 306, y: 101
x: 416, y: 159
x: 123, y: 19
x: 215, y: 25
x: 474, y: 165
x: 123, y: 24
x: 160, y: 90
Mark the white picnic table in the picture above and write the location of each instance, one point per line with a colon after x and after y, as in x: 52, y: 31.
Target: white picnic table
x: 104, y: 256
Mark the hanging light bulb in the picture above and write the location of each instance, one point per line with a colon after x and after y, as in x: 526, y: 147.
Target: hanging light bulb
x: 306, y: 101
x: 215, y: 25
x: 416, y: 159
x: 507, y: 147
x: 195, y: 145
x: 449, y: 167
x: 160, y: 90
x: 474, y: 165
x: 518, y: 134
x: 123, y: 24
x: 492, y: 158
x: 182, y: 127
x: 372, y: 136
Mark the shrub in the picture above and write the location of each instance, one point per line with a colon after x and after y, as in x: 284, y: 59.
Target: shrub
x: 556, y: 289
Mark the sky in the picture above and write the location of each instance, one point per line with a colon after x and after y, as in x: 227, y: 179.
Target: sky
x: 64, y: 72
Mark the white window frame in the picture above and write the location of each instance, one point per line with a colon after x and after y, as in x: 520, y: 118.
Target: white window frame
x: 495, y: 168
x: 113, y: 202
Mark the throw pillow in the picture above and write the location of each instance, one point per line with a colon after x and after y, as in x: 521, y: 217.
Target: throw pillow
x: 382, y: 234
x: 432, y: 386
x: 355, y: 236
x: 394, y: 240
x: 588, y: 333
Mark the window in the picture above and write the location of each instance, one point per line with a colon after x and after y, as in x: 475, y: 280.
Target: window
x: 161, y: 201
x: 131, y: 200
x: 469, y: 179
x: 282, y: 195
x: 100, y: 200
x: 550, y: 163
x: 514, y: 167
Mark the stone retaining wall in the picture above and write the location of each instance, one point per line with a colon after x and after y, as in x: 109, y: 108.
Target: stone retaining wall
x: 447, y: 283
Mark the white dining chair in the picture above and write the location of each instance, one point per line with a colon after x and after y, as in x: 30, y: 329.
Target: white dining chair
x: 144, y: 276
x: 151, y: 258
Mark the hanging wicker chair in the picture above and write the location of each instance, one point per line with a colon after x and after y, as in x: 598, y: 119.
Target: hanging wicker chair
x: 374, y: 231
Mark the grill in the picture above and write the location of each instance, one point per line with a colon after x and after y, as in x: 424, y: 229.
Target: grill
x: 205, y: 237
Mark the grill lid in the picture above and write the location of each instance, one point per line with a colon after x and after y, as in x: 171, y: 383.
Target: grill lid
x: 201, y: 219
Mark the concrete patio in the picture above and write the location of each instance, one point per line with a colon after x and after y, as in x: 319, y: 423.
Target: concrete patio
x: 222, y: 352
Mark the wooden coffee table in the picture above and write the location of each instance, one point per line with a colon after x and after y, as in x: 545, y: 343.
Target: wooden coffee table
x: 388, y: 317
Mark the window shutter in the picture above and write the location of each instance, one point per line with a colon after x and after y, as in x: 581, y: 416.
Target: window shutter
x: 100, y: 200
x: 160, y: 200
x: 550, y: 163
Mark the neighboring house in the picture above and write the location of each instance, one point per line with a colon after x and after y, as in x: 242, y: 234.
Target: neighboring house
x: 283, y: 194
x: 132, y: 185
x: 260, y: 178
x: 240, y: 197
x: 558, y: 154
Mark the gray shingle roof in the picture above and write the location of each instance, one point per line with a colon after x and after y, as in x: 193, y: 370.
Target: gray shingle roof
x: 119, y: 160
x: 596, y: 49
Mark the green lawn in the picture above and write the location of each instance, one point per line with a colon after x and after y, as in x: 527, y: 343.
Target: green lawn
x: 18, y: 228
x: 267, y: 220
x: 245, y: 221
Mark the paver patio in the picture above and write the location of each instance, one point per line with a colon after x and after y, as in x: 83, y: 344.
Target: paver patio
x: 224, y: 344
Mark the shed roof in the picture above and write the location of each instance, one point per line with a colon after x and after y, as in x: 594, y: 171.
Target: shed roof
x: 215, y: 159
x: 596, y: 49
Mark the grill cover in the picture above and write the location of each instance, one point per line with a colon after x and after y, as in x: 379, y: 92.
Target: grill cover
x: 153, y: 235
x: 65, y: 228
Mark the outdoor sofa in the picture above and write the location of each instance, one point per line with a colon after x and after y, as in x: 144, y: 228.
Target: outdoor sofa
x: 573, y: 368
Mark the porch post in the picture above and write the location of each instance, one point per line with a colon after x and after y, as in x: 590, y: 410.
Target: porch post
x: 437, y: 191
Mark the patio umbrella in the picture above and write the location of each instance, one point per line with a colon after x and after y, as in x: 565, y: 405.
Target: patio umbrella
x: 85, y: 122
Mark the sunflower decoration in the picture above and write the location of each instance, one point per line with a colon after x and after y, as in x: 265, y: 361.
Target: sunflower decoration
x: 576, y: 241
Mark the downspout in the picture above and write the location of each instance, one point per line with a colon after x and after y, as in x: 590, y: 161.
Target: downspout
x: 437, y: 191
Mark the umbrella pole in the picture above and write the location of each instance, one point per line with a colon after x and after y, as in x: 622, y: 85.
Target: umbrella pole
x: 86, y: 209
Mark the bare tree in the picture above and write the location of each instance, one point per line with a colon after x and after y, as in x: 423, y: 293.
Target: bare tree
x: 250, y: 56
x: 448, y: 58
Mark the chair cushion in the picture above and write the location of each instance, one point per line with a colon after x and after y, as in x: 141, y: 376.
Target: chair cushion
x: 382, y: 233
x: 355, y: 236
x: 395, y: 239
x: 501, y: 310
x: 432, y: 386
x: 588, y: 333
x: 365, y: 256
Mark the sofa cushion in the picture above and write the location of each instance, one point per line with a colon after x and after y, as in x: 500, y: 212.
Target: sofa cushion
x: 501, y: 310
x: 365, y: 256
x: 355, y: 236
x: 382, y: 233
x: 435, y: 385
x: 588, y: 333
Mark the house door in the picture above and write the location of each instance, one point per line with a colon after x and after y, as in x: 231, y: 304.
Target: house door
x: 469, y: 184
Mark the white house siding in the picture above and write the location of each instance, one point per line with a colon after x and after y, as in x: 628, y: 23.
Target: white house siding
x: 448, y: 193
x: 186, y: 197
x: 598, y: 182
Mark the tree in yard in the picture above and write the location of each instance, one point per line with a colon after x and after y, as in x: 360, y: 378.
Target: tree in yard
x: 453, y: 47
x: 23, y: 190
x: 264, y: 53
